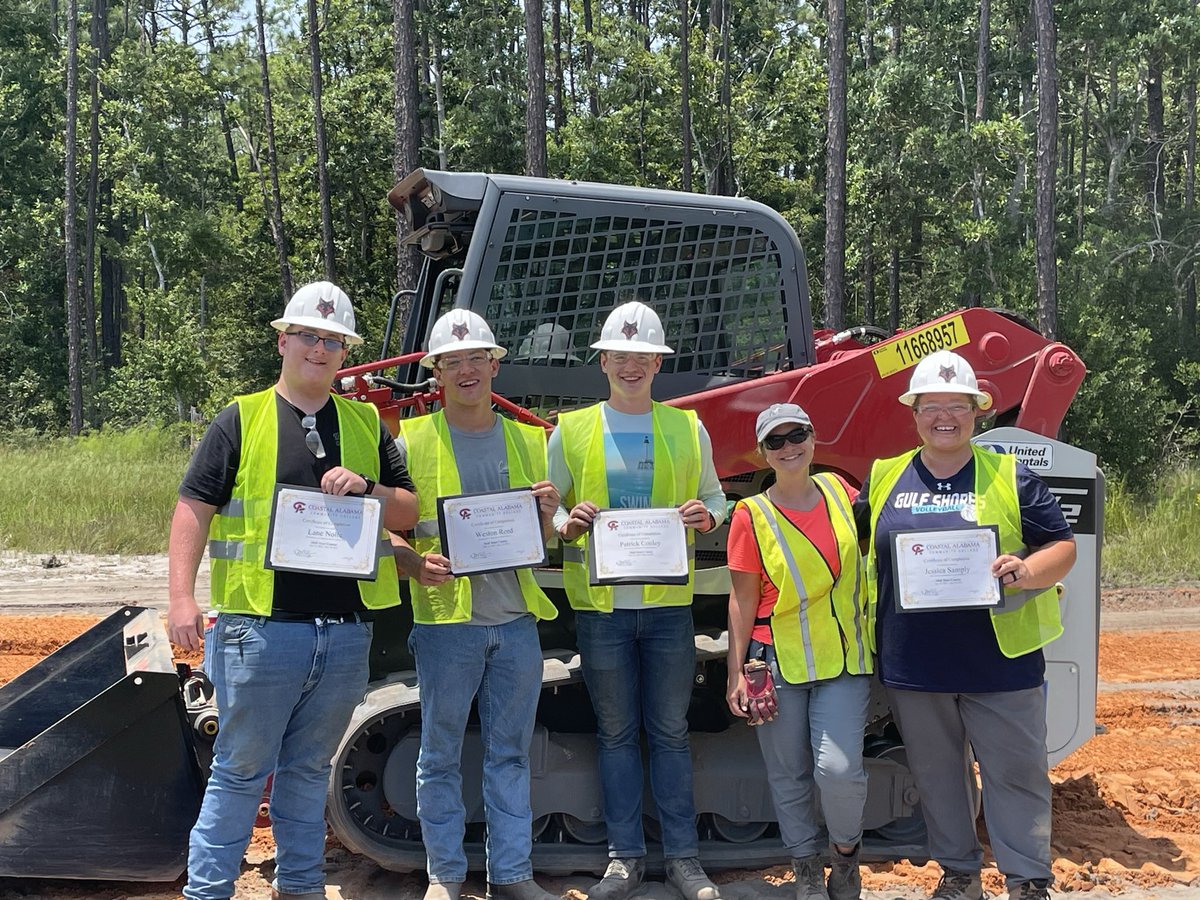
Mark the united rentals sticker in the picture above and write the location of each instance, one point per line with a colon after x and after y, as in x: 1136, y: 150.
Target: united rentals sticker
x: 1037, y: 457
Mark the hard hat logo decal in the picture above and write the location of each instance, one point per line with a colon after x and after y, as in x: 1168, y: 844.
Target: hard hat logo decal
x: 947, y: 373
x: 460, y: 330
x: 325, y: 308
x: 629, y: 329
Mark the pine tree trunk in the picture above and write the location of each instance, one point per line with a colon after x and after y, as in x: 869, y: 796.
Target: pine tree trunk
x: 1047, y: 160
x: 70, y: 226
x: 98, y: 54
x: 405, y: 145
x: 276, y: 213
x: 314, y: 54
x: 535, y: 83
x: 1189, y: 208
x: 560, y: 98
x: 1084, y: 134
x: 1155, y: 143
x: 982, y: 62
x: 685, y: 87
x: 223, y: 110
x: 588, y: 54
x: 835, y: 170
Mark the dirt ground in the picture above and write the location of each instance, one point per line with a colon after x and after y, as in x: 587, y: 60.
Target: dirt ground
x: 1126, y: 805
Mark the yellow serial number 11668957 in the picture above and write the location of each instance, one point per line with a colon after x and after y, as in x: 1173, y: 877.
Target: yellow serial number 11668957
x: 907, y: 350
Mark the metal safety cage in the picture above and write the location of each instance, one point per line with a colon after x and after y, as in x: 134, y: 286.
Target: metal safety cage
x: 549, y: 260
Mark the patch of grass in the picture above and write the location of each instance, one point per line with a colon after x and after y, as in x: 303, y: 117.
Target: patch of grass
x: 1153, y: 538
x: 109, y: 492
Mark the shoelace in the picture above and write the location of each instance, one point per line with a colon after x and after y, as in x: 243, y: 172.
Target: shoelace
x: 689, y: 868
x: 617, y: 869
x: 951, y: 883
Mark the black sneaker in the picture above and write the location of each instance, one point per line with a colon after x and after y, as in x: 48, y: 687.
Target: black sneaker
x: 958, y: 886
x: 1039, y: 889
x: 621, y: 879
x: 845, y: 879
x: 810, y: 878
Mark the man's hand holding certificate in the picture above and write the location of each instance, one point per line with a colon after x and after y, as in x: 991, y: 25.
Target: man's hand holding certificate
x: 638, y: 546
x: 946, y: 568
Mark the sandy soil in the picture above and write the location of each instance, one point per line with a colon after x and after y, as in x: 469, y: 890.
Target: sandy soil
x: 1126, y: 805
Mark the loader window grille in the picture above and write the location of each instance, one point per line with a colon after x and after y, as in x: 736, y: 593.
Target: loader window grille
x: 717, y: 286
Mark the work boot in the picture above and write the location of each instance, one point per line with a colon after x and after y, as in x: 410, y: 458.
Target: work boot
x: 689, y: 879
x: 277, y: 894
x: 845, y: 880
x: 958, y: 886
x: 810, y: 878
x: 518, y: 890
x: 1039, y: 889
x: 621, y: 879
x: 446, y: 890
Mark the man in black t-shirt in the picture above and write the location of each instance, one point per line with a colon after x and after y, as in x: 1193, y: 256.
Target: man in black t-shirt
x: 288, y: 653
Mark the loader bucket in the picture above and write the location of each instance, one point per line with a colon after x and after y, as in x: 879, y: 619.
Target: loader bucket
x: 99, y: 777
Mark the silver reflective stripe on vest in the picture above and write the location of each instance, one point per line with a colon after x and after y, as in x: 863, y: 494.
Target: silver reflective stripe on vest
x: 235, y: 508
x: 226, y: 549
x: 826, y: 480
x: 426, y: 528
x: 794, y: 570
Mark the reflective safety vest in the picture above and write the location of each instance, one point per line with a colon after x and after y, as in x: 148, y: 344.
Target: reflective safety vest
x: 676, y: 479
x: 819, y: 625
x: 1031, y: 618
x: 237, y: 545
x: 434, y: 470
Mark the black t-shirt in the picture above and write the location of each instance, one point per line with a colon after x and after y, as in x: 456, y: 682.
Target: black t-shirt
x: 211, y: 474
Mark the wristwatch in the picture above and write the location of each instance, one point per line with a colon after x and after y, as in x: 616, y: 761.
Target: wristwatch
x: 370, y: 484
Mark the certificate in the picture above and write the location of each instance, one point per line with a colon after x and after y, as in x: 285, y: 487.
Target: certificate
x: 946, y: 568
x: 324, y: 534
x: 491, y: 532
x: 637, y: 546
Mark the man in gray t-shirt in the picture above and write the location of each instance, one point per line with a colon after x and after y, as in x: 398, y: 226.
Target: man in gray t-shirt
x: 473, y: 637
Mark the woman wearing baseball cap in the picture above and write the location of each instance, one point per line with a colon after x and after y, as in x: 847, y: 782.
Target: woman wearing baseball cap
x: 798, y: 611
x: 970, y: 676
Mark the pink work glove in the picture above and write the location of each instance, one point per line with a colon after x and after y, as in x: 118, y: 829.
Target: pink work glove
x: 760, y: 692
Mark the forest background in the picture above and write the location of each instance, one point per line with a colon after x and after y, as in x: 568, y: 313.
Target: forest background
x: 171, y: 169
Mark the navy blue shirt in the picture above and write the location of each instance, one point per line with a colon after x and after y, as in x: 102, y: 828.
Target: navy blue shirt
x: 951, y: 651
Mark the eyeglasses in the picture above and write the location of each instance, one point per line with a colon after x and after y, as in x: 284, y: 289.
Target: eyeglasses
x: 312, y: 439
x: 308, y: 339
x: 795, y: 436
x: 454, y: 363
x: 621, y: 357
x: 957, y: 410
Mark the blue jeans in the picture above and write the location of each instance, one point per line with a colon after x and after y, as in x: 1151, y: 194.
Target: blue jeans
x: 638, y: 665
x: 286, y: 691
x: 502, y: 664
x: 814, y: 749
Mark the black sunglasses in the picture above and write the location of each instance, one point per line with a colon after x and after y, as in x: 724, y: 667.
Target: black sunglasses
x: 795, y: 436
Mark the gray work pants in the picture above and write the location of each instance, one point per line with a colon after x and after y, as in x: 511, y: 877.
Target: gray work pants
x: 1007, y: 730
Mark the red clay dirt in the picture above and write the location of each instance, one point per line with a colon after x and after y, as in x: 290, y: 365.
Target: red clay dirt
x: 1126, y: 805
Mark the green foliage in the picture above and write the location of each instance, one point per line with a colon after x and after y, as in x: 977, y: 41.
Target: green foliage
x: 1150, y: 532
x: 109, y: 492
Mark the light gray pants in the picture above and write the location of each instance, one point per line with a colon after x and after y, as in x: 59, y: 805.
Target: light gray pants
x: 1007, y: 730
x: 817, y: 742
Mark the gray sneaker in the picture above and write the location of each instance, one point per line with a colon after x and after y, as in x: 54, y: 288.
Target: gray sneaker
x: 446, y: 890
x: 689, y: 879
x: 518, y: 890
x: 958, y: 886
x: 845, y: 879
x: 810, y: 878
x: 621, y: 879
x: 1038, y: 889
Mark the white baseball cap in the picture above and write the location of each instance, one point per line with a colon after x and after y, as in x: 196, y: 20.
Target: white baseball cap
x: 945, y: 372
x: 779, y: 414
x: 322, y: 305
x: 632, y: 327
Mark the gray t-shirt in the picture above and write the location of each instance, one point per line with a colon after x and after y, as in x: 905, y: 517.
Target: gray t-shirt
x: 482, y: 459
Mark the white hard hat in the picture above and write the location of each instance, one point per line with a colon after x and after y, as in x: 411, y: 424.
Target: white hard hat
x: 634, y: 327
x: 548, y: 341
x: 322, y: 305
x: 460, y: 329
x: 945, y: 372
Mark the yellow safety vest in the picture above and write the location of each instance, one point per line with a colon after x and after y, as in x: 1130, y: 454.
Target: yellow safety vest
x: 1029, y: 626
x: 819, y: 625
x: 237, y: 546
x: 433, y: 469
x: 676, y: 479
